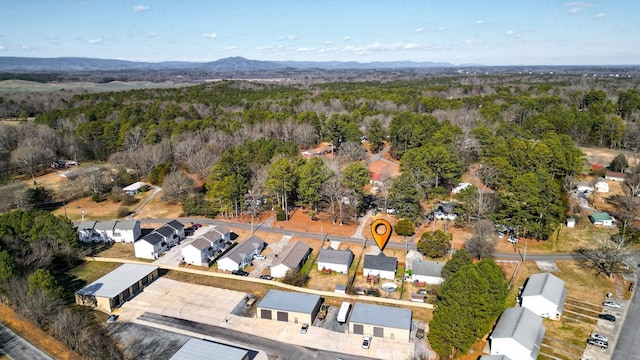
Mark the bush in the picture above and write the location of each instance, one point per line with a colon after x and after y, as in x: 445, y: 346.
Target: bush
x: 122, y: 212
x: 281, y: 215
x: 96, y: 198
x: 405, y: 227
x: 295, y: 278
x: 128, y: 200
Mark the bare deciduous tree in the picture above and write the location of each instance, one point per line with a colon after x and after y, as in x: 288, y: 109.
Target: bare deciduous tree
x: 31, y: 154
x: 607, y: 257
x: 351, y: 152
x: 483, y: 240
x: 177, y: 186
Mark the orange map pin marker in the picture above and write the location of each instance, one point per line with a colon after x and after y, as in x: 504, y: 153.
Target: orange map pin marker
x: 381, y: 231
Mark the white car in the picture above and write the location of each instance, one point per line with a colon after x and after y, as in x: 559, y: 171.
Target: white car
x: 366, y: 341
x: 599, y: 337
x: 258, y: 257
x: 611, y: 304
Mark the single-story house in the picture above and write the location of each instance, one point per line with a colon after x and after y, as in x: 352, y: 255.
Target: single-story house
x: 335, y: 260
x: 602, y: 186
x: 150, y: 246
x: 460, y: 187
x: 86, y: 233
x: 518, y: 334
x: 584, y: 186
x: 544, y: 294
x: 289, y: 307
x: 615, y: 176
x: 380, y: 265
x: 203, y: 349
x: 426, y: 271
x: 197, y: 252
x: 135, y: 188
x: 178, y: 228
x: 104, y: 231
x: 127, y: 231
x: 292, y: 259
x: 381, y: 321
x: 118, y: 286
x: 241, y: 255
x: 602, y: 219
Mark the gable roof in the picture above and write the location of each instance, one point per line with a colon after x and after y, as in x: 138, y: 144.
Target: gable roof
x: 427, y: 268
x: 200, y: 244
x: 135, y: 186
x: 165, y: 231
x: 380, y: 262
x: 175, y: 224
x: 548, y: 286
x: 289, y: 301
x: 293, y: 255
x: 238, y: 253
x: 87, y: 225
x: 600, y: 216
x: 152, y: 238
x: 342, y: 257
x: 203, y: 349
x: 104, y: 225
x: 211, y: 236
x: 221, y: 229
x: 126, y: 224
x: 523, y: 326
x: 379, y: 315
x: 117, y: 281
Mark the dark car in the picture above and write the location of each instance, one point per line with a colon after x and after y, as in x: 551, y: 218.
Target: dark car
x: 112, y: 318
x: 266, y: 277
x: 240, y: 273
x: 607, y: 317
x: 596, y: 342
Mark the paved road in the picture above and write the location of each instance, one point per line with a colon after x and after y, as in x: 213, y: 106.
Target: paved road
x: 629, y: 336
x: 17, y: 348
x: 271, y: 347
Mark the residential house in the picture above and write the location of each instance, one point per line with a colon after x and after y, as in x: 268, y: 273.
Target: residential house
x: 615, y: 176
x: 222, y: 231
x: 168, y: 235
x: 544, y: 294
x: 518, y: 334
x: 149, y: 246
x: 135, y: 188
x: 86, y: 233
x: 460, y: 187
x: 292, y: 259
x: 104, y: 231
x: 380, y: 265
x: 178, y: 228
x: 584, y: 186
x: 197, y: 252
x: 602, y: 186
x: 127, y: 231
x: 427, y: 271
x: 602, y: 219
x: 241, y: 255
x: 335, y: 260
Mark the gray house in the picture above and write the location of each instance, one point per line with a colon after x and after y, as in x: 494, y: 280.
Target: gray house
x: 291, y: 259
x: 381, y: 265
x: 241, y: 255
x: 518, y: 334
x: 426, y: 271
x: 335, y: 260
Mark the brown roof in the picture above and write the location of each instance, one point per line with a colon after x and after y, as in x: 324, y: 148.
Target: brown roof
x: 293, y: 255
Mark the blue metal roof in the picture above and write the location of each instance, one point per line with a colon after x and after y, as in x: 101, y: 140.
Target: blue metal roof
x: 379, y: 315
x: 289, y: 301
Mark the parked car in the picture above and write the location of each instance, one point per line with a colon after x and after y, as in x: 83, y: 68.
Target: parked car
x: 240, y: 273
x: 366, y: 341
x: 611, y: 304
x: 596, y: 342
x: 266, y: 277
x: 607, y: 317
x: 304, y: 328
x: 599, y: 337
x: 258, y: 257
x: 112, y: 318
x: 512, y: 239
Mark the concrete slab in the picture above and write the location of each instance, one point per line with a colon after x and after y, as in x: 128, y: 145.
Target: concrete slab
x: 548, y: 266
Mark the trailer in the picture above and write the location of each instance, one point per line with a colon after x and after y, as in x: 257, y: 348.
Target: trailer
x: 343, y: 312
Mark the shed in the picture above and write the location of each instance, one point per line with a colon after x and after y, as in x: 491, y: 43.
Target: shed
x: 381, y: 321
x: 197, y: 252
x: 118, y: 286
x: 135, y: 188
x: 289, y: 307
x: 429, y: 272
x: 602, y: 219
x: 242, y: 254
x: 571, y: 222
x: 291, y: 259
x: 335, y: 260
x: 544, y: 294
x: 127, y: 231
x: 518, y: 334
x: 203, y: 349
x: 381, y: 265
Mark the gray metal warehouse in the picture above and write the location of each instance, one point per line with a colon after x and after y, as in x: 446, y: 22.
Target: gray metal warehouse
x: 204, y: 349
x: 289, y: 307
x: 381, y: 321
x: 118, y: 286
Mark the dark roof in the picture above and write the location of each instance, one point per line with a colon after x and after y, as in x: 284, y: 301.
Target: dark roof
x: 238, y: 253
x: 379, y: 315
x: 152, y: 238
x: 165, y: 231
x: 177, y: 225
x: 293, y: 255
x: 342, y: 257
x: 380, y: 262
x: 289, y: 301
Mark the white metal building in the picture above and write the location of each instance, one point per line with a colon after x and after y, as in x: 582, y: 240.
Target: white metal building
x: 204, y: 349
x: 289, y: 307
x: 381, y: 321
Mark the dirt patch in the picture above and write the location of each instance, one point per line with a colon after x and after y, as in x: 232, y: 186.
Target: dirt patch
x: 604, y: 155
x: 301, y: 221
x: 34, y: 335
x: 159, y: 209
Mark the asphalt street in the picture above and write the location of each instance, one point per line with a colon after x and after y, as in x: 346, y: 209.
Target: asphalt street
x: 17, y: 348
x: 629, y: 337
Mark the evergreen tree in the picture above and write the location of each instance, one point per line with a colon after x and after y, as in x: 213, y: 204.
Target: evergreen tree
x: 459, y: 259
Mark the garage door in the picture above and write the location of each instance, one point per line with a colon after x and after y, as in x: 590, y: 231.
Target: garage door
x: 358, y: 329
x: 265, y: 314
x: 378, y: 332
x: 283, y: 316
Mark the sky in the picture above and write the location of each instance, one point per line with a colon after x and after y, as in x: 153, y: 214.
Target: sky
x: 488, y: 32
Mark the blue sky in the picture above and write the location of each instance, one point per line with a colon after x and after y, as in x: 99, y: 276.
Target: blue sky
x: 496, y: 32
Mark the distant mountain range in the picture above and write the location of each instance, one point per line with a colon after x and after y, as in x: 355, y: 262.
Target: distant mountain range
x: 231, y: 64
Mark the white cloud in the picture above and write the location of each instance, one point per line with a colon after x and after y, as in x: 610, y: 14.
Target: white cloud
x: 153, y: 33
x: 2, y: 48
x: 233, y: 47
x: 599, y: 15
x: 264, y: 48
x: 140, y: 8
x: 346, y: 38
x: 577, y: 6
x: 95, y: 41
x: 419, y: 29
x: 575, y: 10
x: 510, y: 32
x: 292, y: 37
x: 210, y: 35
x: 479, y: 22
x: 306, y: 49
x: 442, y: 28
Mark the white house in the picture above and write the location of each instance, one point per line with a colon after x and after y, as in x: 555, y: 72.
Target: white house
x: 615, y: 176
x: 335, y: 260
x: 292, y: 259
x: 427, y: 271
x: 86, y: 232
x: 381, y: 265
x: 149, y: 246
x: 584, y: 186
x: 168, y: 235
x: 197, y: 252
x: 602, y: 219
x: 460, y: 187
x: 222, y: 231
x: 518, y: 334
x: 134, y: 188
x: 242, y: 254
x: 127, y: 231
x: 177, y: 227
x: 602, y: 186
x: 104, y: 230
x: 544, y: 294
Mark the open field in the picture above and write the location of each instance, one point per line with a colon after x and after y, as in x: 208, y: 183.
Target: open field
x: 14, y: 86
x: 604, y: 155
